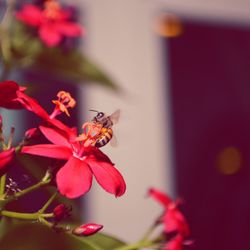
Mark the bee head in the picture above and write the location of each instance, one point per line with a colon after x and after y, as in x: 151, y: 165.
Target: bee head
x: 99, y: 115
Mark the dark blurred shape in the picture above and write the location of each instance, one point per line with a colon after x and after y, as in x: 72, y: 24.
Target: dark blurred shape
x: 210, y: 94
x: 229, y: 160
x: 168, y: 25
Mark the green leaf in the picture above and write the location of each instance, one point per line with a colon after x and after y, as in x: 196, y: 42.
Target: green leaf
x: 35, y: 236
x: 73, y: 66
x: 25, y: 47
x: 106, y: 241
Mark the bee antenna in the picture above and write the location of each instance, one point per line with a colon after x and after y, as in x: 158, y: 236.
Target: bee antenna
x: 94, y: 110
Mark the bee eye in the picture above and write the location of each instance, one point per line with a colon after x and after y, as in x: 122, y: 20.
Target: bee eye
x: 100, y: 114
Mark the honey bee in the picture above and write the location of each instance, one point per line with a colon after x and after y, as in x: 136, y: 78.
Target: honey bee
x: 106, y: 133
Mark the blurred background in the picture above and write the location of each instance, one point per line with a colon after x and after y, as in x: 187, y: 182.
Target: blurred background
x: 184, y: 69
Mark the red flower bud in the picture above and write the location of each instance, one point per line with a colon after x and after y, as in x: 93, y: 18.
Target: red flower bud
x: 87, y: 229
x: 61, y: 211
x: 30, y: 133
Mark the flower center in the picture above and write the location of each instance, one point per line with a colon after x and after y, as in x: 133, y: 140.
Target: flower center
x: 79, y: 156
x: 90, y: 131
x: 52, y: 9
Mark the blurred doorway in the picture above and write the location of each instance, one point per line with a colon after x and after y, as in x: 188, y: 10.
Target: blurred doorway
x: 210, y: 90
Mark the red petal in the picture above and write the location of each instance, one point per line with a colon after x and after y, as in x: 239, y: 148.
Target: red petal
x: 174, y: 221
x: 49, y: 34
x: 74, y: 178
x: 108, y: 176
x: 69, y: 28
x: 30, y: 14
x: 159, y: 196
x: 175, y: 243
x: 6, y: 157
x: 54, y: 136
x: 48, y: 150
x: 32, y: 105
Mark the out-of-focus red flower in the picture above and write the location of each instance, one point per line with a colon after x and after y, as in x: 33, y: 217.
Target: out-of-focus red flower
x: 83, y: 161
x: 5, y: 159
x: 8, y: 95
x: 177, y: 243
x: 87, y: 229
x: 172, y: 218
x: 173, y: 221
x: 52, y: 21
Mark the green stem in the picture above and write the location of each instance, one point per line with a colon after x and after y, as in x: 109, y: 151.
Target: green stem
x: 46, y: 205
x: 25, y: 216
x: 45, y: 222
x: 45, y: 181
x: 149, y: 232
x: 2, y: 184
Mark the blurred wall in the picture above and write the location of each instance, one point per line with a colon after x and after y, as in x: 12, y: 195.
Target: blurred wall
x: 120, y: 38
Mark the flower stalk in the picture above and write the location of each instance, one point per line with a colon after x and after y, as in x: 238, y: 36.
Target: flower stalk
x: 45, y: 181
x: 25, y: 216
x: 46, y: 205
x: 2, y: 184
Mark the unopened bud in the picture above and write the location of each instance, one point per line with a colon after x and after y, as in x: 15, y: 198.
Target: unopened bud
x: 87, y: 229
x: 61, y: 211
x: 30, y: 133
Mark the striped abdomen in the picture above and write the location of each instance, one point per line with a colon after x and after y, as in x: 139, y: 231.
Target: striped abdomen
x: 104, y: 137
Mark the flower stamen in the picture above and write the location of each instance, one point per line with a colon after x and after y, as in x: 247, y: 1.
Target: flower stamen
x: 90, y: 132
x: 52, y: 10
x: 64, y: 102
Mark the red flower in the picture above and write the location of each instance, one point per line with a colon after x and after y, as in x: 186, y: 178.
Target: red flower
x: 5, y: 159
x: 83, y: 161
x: 87, y: 229
x: 52, y: 22
x: 172, y: 218
x: 8, y: 95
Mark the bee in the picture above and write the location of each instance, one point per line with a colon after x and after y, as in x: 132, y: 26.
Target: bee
x: 106, y: 133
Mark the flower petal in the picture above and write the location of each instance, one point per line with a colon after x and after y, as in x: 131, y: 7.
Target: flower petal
x: 107, y: 176
x: 175, y: 243
x: 69, y: 28
x: 159, y: 196
x: 48, y: 150
x: 174, y: 221
x: 54, y: 136
x: 49, y: 34
x: 32, y: 105
x: 74, y: 178
x: 30, y: 14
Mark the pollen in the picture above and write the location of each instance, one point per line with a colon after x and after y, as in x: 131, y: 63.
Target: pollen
x: 52, y: 9
x: 64, y: 102
x: 90, y: 132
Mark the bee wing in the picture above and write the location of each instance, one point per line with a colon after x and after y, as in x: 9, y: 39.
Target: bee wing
x: 114, y: 141
x: 115, y: 116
